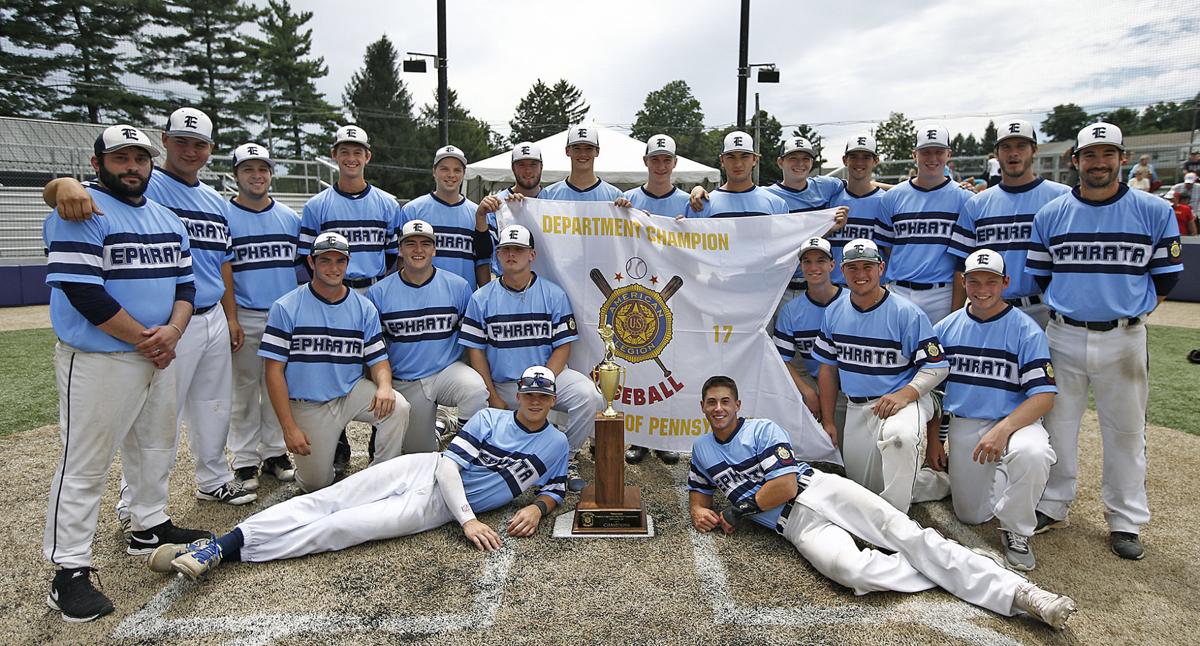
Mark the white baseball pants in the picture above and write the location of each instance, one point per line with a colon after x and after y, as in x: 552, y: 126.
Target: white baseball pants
x: 577, y: 397
x: 885, y: 455
x: 935, y: 302
x: 456, y: 385
x: 106, y: 401
x: 1008, y: 490
x: 1114, y: 364
x: 323, y: 422
x: 832, y: 510
x: 254, y: 431
x: 394, y: 498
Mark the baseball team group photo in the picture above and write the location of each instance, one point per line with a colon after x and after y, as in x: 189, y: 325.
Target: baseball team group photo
x: 288, y: 370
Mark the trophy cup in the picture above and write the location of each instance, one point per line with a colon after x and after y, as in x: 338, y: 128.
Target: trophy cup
x: 608, y: 506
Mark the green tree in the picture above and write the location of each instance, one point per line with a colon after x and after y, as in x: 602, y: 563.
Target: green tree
x: 1063, y: 122
x: 896, y: 136
x: 200, y: 43
x: 770, y: 132
x: 26, y: 58
x: 990, y: 135
x: 809, y: 133
x: 1168, y: 116
x: 300, y: 119
x: 970, y: 147
x: 380, y: 103
x: 547, y: 110
x: 473, y: 136
x: 957, y: 142
x: 1127, y: 119
x: 672, y: 110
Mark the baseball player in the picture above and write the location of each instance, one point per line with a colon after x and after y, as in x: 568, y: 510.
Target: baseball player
x: 738, y: 196
x: 527, y: 175
x: 203, y: 378
x: 1001, y: 383
x: 1001, y: 217
x: 420, y: 309
x: 453, y: 215
x: 658, y: 195
x: 520, y: 320
x: 1105, y: 256
x: 1191, y: 189
x: 121, y: 291
x: 880, y: 350
x: 752, y: 463
x: 317, y: 340
x: 582, y: 185
x: 799, y: 323
x: 916, y: 222
x: 498, y: 455
x: 862, y: 197
x: 263, y: 234
x: 365, y: 215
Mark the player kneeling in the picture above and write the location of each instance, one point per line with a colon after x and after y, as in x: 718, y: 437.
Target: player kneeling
x: 1001, y: 383
x: 496, y: 456
x: 751, y: 461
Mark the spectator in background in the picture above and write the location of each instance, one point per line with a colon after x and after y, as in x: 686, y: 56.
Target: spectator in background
x: 978, y: 185
x: 912, y: 172
x: 1192, y: 165
x: 1183, y: 213
x: 1189, y: 189
x: 1141, y: 180
x: 1144, y: 164
x: 952, y: 172
x: 993, y: 170
x: 1071, y: 178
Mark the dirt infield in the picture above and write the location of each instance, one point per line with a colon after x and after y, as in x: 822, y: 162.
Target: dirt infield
x: 679, y: 587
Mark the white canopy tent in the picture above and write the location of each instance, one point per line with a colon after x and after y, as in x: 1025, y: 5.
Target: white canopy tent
x: 619, y: 163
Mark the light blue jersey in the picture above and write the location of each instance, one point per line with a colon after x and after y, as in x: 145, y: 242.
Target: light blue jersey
x: 264, y: 252
x: 755, y: 200
x: 758, y: 451
x: 865, y: 212
x: 671, y: 204
x: 500, y: 458
x: 202, y: 211
x: 368, y: 220
x: 797, y: 327
x: 917, y: 224
x: 879, y: 350
x: 1001, y: 219
x: 420, y: 322
x: 454, y: 226
x: 324, y: 344
x: 563, y: 190
x: 138, y: 254
x: 517, y: 329
x: 1101, y: 255
x: 816, y: 195
x: 994, y: 364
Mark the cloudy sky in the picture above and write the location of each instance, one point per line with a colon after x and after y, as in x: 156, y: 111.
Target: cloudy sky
x: 844, y: 65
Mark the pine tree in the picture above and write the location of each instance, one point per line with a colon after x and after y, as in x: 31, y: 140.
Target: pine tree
x: 770, y: 133
x: 473, y: 136
x: 547, y: 110
x: 809, y: 133
x: 26, y: 40
x: 672, y: 110
x: 380, y: 103
x: 896, y: 137
x: 988, y: 143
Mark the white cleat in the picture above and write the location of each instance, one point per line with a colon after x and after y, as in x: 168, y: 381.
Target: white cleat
x: 1052, y: 609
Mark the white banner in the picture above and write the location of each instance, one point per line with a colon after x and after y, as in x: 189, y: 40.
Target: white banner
x: 688, y: 299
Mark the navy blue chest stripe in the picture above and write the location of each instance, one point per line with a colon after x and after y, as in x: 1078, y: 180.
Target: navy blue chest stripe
x: 327, y: 331
x: 278, y: 263
x: 268, y: 237
x: 1090, y: 237
x: 505, y: 318
x: 868, y: 341
x: 925, y: 215
x: 353, y: 224
x: 739, y: 214
x: 969, y: 351
x: 188, y: 214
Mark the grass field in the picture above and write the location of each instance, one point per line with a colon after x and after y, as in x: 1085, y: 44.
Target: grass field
x: 1174, y: 381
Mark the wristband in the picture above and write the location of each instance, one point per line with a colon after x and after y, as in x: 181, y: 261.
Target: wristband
x: 177, y: 329
x: 542, y: 506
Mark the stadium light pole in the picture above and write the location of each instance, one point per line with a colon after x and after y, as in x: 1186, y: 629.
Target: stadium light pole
x: 743, y: 72
x: 418, y: 66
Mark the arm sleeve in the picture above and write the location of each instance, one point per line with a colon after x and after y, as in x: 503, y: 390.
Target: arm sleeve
x: 186, y: 292
x: 450, y: 484
x: 927, y: 379
x: 1164, y: 283
x: 483, y: 245
x: 1043, y: 282
x: 92, y: 301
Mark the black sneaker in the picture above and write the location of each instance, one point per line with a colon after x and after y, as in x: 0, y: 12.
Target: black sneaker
x: 248, y: 477
x: 341, y: 456
x: 144, y: 542
x: 668, y: 457
x: 280, y: 467
x: 1127, y: 545
x: 72, y: 594
x: 230, y: 493
x: 1046, y: 523
x: 635, y: 454
x: 575, y: 482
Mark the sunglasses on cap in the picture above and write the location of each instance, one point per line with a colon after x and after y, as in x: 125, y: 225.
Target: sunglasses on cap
x: 330, y: 244
x: 536, y: 381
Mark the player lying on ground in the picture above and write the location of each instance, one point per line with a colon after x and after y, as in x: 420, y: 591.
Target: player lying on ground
x: 751, y: 461
x: 493, y: 459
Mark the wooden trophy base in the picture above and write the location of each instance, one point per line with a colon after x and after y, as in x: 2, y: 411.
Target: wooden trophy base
x: 608, y: 506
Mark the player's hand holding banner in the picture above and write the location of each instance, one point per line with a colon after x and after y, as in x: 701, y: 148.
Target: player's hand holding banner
x: 687, y: 299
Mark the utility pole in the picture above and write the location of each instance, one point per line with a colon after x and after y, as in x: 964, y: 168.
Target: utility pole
x: 743, y: 64
x: 443, y: 84
x: 757, y: 137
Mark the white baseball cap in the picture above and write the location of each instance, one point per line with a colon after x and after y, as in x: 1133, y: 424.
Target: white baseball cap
x: 189, y: 122
x: 1017, y: 129
x: 1099, y: 134
x: 330, y: 241
x: 449, y: 151
x: 819, y: 244
x: 526, y: 150
x: 583, y: 134
x: 796, y: 144
x: 537, y: 379
x: 417, y: 228
x: 123, y: 136
x: 515, y: 235
x: 985, y: 260
x: 933, y: 136
x: 1190, y: 178
x: 351, y: 134
x: 862, y: 142
x: 861, y: 249
x: 660, y: 145
x: 251, y: 150
x: 738, y: 142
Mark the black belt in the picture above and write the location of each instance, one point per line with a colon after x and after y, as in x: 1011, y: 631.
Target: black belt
x: 861, y: 400
x: 803, y: 480
x: 203, y: 310
x: 359, y: 283
x: 1024, y: 301
x: 1095, y: 326
x: 255, y: 309
x: 920, y: 287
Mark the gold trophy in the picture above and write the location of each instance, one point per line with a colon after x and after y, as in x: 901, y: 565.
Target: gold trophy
x: 609, y: 377
x: 607, y: 506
